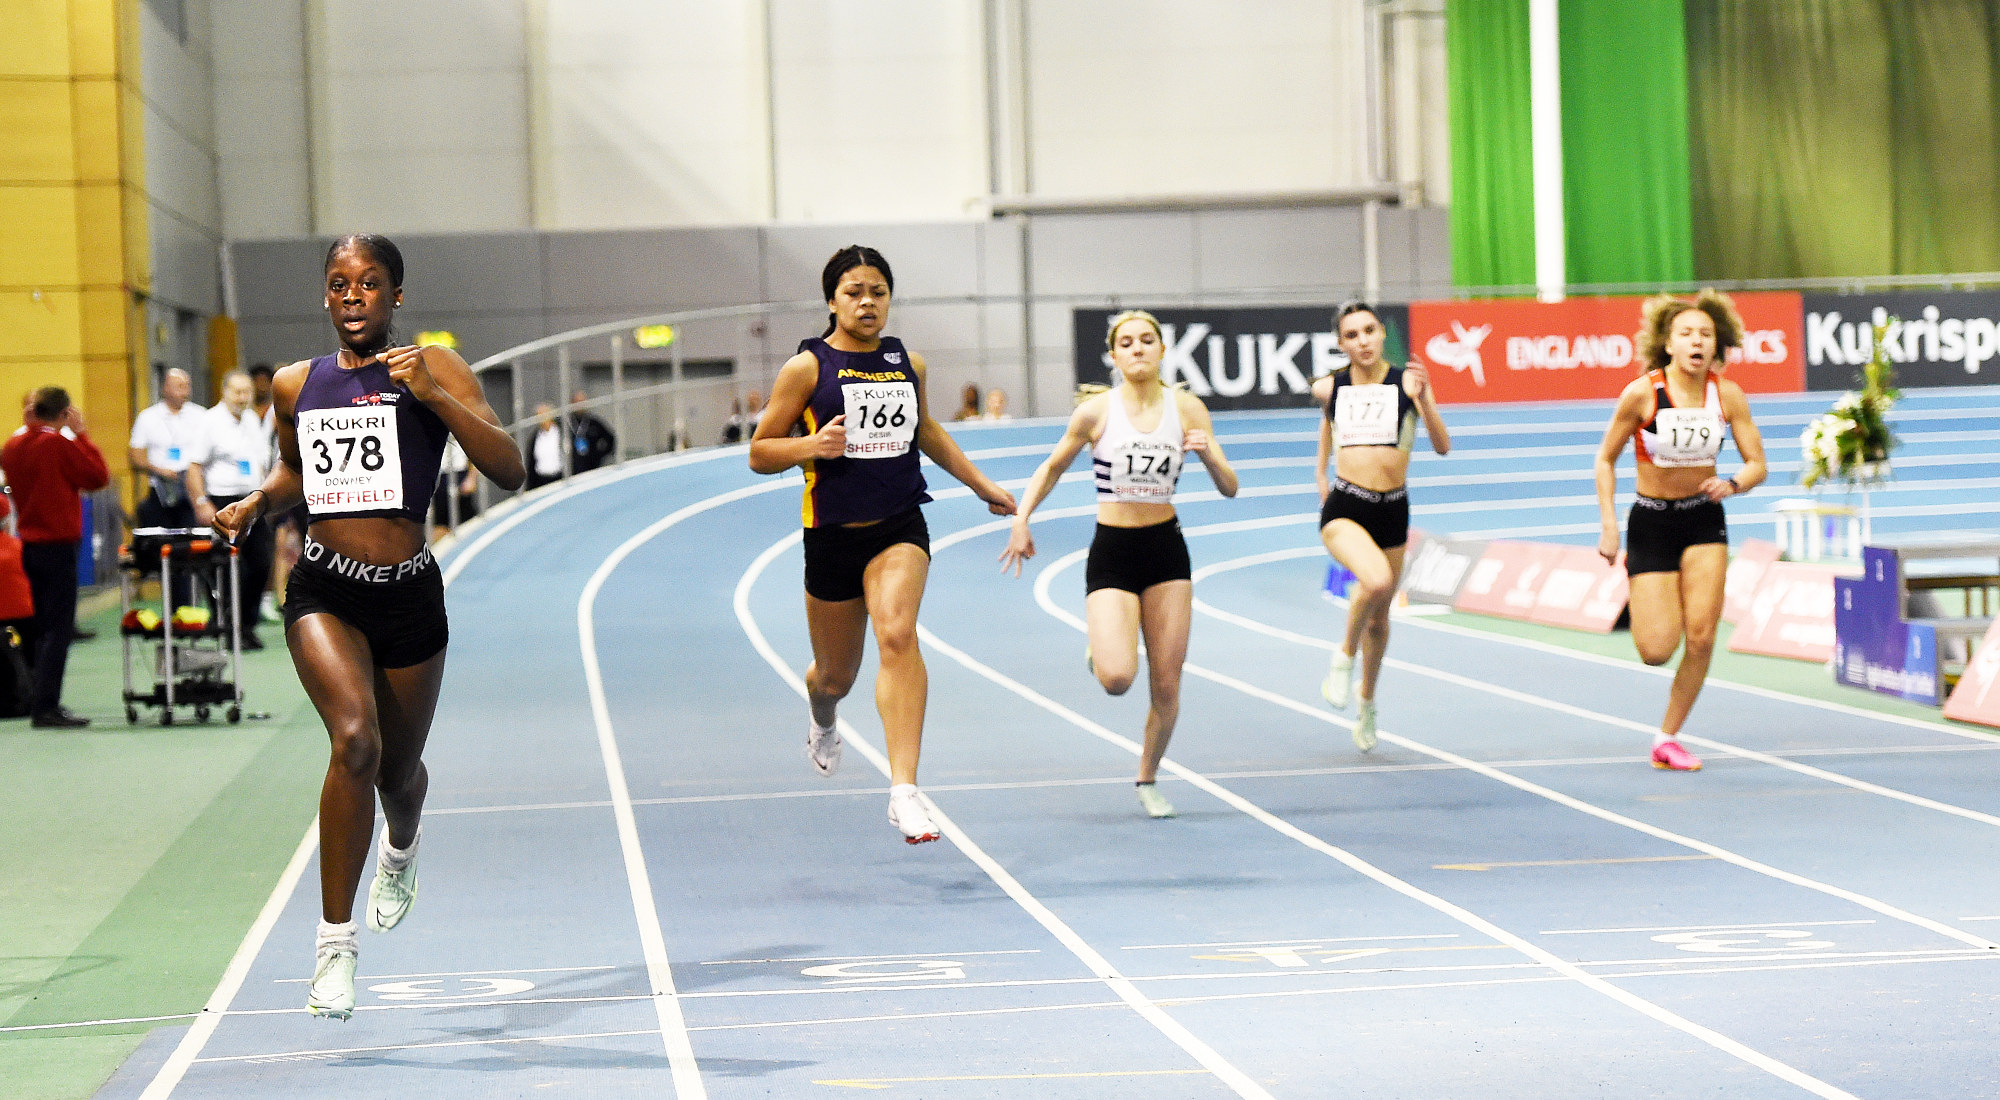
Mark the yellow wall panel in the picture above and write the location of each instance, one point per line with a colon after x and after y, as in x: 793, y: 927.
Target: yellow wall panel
x: 95, y: 37
x: 36, y: 42
x: 17, y: 380
x: 99, y: 241
x: 35, y: 131
x: 95, y: 127
x: 38, y: 236
x: 132, y: 134
x: 40, y: 326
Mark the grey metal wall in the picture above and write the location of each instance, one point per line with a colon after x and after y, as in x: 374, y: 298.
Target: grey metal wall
x: 496, y: 290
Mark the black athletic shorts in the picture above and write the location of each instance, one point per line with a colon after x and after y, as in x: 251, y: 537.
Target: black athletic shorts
x: 398, y: 608
x: 836, y: 556
x: 1136, y: 558
x: 1658, y: 530
x: 1385, y: 516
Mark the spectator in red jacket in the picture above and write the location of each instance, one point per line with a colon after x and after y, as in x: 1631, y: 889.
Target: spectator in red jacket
x: 47, y: 463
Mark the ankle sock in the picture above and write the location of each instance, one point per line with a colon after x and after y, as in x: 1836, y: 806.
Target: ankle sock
x: 393, y: 859
x: 345, y: 937
x: 1661, y: 739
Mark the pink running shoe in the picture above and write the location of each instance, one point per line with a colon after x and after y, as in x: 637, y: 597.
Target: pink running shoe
x: 1670, y: 756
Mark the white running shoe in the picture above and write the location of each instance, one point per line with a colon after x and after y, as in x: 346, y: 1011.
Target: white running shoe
x: 1364, y: 726
x: 823, y: 747
x: 907, y: 812
x: 393, y: 892
x: 1339, y: 680
x: 332, y: 993
x: 1155, y: 803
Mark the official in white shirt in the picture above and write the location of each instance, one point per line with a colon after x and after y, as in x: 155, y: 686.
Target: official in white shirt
x: 545, y: 449
x: 164, y: 437
x: 232, y: 459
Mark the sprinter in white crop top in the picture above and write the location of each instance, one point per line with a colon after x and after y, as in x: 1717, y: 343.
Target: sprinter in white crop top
x: 1138, y: 576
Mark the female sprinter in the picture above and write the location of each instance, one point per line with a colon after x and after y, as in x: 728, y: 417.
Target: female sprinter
x: 1678, y: 542
x: 360, y: 435
x: 1137, y: 578
x: 1364, y: 515
x: 859, y: 396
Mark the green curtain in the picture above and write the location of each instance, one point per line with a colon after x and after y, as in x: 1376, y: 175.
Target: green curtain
x: 1837, y: 138
x: 1625, y: 142
x: 1492, y: 157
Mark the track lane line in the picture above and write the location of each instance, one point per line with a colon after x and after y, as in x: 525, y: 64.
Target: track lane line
x: 1099, y: 966
x: 1048, y: 604
x: 1471, y: 920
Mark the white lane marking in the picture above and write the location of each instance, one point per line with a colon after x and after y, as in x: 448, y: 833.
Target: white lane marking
x: 338, y: 1051
x: 1980, y: 918
x: 871, y: 958
x: 186, y: 1052
x: 1487, y: 687
x: 457, y: 974
x: 1236, y: 1079
x: 137, y: 1020
x: 673, y: 1028
x: 1464, y: 916
x: 1271, y: 943
x: 1703, y: 927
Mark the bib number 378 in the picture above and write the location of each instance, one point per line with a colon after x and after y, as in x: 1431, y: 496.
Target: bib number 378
x: 881, y: 418
x: 352, y: 460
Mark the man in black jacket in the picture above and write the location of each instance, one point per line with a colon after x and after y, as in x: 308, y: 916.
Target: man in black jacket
x: 593, y: 441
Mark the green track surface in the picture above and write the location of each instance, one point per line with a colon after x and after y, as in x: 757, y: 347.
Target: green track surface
x: 137, y: 858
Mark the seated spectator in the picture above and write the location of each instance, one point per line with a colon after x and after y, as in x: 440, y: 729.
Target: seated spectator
x: 996, y: 405
x: 968, y: 405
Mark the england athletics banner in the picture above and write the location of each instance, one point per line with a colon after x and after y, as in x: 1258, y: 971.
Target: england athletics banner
x: 1519, y: 350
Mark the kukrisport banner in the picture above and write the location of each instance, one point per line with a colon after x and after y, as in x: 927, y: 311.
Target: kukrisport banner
x: 1936, y: 339
x: 1518, y: 350
x: 1257, y: 358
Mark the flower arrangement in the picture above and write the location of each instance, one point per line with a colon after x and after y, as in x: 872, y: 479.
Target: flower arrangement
x: 1852, y: 442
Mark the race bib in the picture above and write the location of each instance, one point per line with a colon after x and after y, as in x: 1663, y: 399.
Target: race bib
x: 1687, y: 437
x: 1365, y: 416
x: 881, y: 418
x: 352, y: 460
x: 1145, y: 469
x: 243, y: 467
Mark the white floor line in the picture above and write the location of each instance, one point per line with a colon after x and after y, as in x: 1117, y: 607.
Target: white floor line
x: 311, y: 1055
x: 104, y: 1023
x: 865, y: 958
x: 1573, y: 972
x: 456, y: 974
x: 1700, y: 927
x: 187, y: 1052
x: 1559, y: 707
x: 1099, y: 966
x: 673, y: 1027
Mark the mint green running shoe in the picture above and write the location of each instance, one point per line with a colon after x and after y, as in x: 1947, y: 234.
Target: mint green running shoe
x: 391, y: 894
x: 1339, y: 680
x: 332, y: 992
x: 1364, y: 726
x: 1155, y: 803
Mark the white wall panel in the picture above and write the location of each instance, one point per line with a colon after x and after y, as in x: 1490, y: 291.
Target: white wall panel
x: 1138, y: 97
x: 655, y: 114
x: 424, y: 112
x: 879, y: 109
x: 263, y: 175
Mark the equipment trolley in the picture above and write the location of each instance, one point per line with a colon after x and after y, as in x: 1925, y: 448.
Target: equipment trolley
x: 195, y: 649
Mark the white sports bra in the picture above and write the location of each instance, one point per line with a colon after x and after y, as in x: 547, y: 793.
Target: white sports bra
x: 1138, y: 467
x: 1682, y: 438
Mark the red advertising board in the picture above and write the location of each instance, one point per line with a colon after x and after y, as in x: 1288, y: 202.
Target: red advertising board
x: 1507, y: 579
x: 1791, y: 612
x: 1582, y: 592
x: 1522, y: 350
x: 1746, y: 568
x: 1977, y: 696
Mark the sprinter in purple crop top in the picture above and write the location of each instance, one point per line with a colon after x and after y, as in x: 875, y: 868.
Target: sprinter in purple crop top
x: 859, y: 398
x: 361, y: 433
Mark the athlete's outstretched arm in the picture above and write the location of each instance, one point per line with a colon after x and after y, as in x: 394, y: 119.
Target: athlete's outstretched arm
x: 774, y: 449
x: 938, y: 445
x: 284, y: 487
x: 1749, y: 444
x: 1084, y: 425
x: 1625, y: 420
x: 1201, y: 440
x: 440, y: 379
